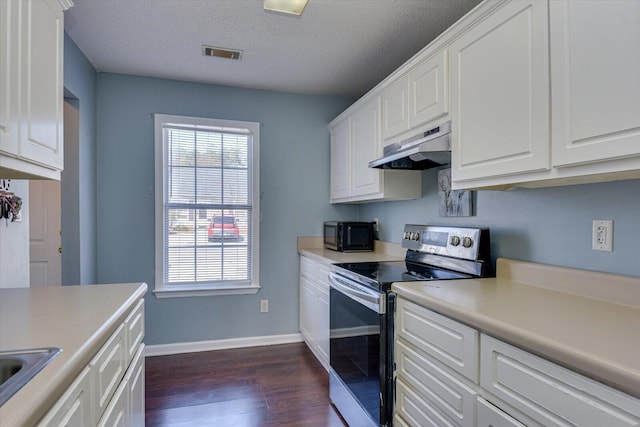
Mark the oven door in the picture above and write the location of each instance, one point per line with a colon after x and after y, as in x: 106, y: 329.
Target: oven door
x: 359, y: 353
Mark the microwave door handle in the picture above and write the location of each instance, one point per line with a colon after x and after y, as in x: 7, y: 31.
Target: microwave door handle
x: 372, y: 300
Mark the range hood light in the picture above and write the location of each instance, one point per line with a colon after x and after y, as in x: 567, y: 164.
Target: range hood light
x: 289, y: 7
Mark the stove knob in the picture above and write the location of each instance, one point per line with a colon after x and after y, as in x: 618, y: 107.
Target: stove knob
x: 405, y: 236
x: 467, y: 242
x: 455, y: 240
x: 415, y: 236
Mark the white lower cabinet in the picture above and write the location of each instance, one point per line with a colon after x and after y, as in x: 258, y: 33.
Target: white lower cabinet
x: 110, y: 389
x: 445, y: 397
x: 551, y: 394
x: 314, y: 307
x: 73, y: 409
x: 515, y: 388
x: 491, y: 416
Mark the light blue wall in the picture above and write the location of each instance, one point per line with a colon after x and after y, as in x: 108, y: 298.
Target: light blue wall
x: 294, y: 165
x: 78, y: 182
x: 551, y: 225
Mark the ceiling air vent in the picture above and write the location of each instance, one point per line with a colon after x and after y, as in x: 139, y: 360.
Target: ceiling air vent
x: 220, y: 52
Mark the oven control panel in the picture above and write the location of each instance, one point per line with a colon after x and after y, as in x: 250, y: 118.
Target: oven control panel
x: 456, y: 242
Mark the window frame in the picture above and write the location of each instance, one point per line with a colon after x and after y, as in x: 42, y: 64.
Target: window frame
x: 162, y: 290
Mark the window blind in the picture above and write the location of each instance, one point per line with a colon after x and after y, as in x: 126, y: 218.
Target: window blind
x: 207, y: 209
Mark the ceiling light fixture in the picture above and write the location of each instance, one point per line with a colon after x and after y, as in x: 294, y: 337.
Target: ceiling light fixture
x: 289, y: 7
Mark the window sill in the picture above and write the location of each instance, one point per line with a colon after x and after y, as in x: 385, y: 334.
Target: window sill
x: 182, y: 291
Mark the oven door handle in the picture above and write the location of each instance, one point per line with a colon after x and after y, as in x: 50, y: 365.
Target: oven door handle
x: 369, y: 298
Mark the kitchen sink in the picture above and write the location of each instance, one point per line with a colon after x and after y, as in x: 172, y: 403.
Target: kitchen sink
x: 17, y: 367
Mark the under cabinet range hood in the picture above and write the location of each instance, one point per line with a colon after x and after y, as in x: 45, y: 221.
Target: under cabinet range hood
x: 426, y: 150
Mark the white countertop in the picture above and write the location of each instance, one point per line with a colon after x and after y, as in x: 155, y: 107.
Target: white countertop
x: 78, y: 319
x: 596, y: 337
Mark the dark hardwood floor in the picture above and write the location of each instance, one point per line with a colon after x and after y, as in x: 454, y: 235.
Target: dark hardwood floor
x: 280, y: 385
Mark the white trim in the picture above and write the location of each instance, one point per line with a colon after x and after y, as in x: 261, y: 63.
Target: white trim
x: 203, y: 292
x: 195, y: 346
x: 160, y: 289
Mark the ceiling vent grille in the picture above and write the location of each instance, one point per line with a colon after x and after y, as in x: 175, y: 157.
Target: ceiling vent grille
x: 220, y: 52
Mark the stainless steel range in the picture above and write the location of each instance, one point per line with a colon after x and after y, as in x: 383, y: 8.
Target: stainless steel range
x: 362, y: 307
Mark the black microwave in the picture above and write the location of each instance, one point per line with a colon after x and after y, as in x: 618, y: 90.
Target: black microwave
x: 346, y: 236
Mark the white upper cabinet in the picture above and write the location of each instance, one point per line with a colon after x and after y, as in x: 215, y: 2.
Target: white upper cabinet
x: 429, y: 90
x: 31, y: 121
x: 355, y: 141
x: 595, y: 74
x: 500, y: 90
x: 418, y: 97
x: 340, y: 183
x: 546, y: 93
x: 366, y: 145
x: 9, y: 25
x: 395, y: 103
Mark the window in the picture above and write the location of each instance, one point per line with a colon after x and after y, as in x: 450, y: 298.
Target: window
x: 207, y: 206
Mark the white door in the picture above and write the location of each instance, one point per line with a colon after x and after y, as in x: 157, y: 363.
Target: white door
x: 44, y: 233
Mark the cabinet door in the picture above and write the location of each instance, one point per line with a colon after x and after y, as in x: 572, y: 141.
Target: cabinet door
x: 595, y: 64
x: 340, y: 185
x: 395, y: 102
x: 490, y: 416
x: 135, y: 381
x: 307, y: 307
x: 323, y: 327
x: 365, y: 147
x: 429, y: 90
x: 500, y: 94
x: 9, y: 20
x: 73, y: 409
x: 41, y: 135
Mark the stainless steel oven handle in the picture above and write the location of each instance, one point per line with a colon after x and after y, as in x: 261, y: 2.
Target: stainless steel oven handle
x: 370, y: 299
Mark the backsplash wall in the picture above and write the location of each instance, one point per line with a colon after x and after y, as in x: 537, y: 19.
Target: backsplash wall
x: 548, y: 225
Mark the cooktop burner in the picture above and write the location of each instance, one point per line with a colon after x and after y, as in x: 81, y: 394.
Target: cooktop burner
x: 383, y: 274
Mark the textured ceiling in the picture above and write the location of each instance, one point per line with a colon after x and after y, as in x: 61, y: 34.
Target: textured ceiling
x: 337, y: 47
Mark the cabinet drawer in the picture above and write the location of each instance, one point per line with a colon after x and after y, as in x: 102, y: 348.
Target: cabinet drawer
x: 490, y: 416
x: 116, y: 413
x: 134, y: 331
x: 416, y: 411
x: 322, y: 276
x: 307, y: 267
x: 108, y: 368
x: 550, y: 394
x: 449, y: 342
x: 73, y: 409
x: 435, y: 384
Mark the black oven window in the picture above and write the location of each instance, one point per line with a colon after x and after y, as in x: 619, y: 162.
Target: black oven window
x: 355, y: 350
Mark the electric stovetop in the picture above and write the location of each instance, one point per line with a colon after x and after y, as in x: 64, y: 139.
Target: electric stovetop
x: 382, y: 274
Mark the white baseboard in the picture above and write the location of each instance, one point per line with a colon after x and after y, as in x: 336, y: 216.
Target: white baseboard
x: 195, y: 346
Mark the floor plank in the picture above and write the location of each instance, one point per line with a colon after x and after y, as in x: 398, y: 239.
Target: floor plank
x: 280, y: 385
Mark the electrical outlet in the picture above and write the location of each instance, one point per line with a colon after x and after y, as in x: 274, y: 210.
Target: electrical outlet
x: 602, y: 235
x: 375, y: 224
x: 264, y: 306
